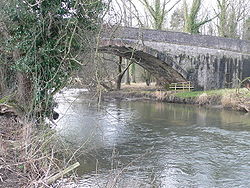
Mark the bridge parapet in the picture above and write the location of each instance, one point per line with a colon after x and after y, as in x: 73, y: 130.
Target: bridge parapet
x: 179, y: 38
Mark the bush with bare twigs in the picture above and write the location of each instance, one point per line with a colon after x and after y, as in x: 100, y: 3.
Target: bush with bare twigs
x: 30, y: 157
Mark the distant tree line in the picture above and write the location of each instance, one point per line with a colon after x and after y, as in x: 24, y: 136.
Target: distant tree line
x: 226, y: 18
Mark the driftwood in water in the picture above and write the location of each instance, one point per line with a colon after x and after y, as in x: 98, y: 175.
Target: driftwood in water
x: 244, y: 107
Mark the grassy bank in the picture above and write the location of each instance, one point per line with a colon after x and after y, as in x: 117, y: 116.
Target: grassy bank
x: 224, y: 98
x: 227, y: 98
x: 220, y: 92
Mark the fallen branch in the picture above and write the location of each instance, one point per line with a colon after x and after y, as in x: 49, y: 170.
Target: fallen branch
x: 7, y: 110
x: 243, y: 107
x: 62, y: 173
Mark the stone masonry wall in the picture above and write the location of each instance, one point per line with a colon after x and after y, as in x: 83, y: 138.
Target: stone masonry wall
x: 209, y: 62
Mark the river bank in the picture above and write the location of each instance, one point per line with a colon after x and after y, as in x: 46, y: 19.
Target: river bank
x: 223, y: 98
x: 11, y: 173
x: 30, y: 153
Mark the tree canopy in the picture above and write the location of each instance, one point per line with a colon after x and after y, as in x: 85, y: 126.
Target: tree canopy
x: 44, y: 41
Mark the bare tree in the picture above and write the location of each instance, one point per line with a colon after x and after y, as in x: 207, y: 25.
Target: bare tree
x: 158, y: 11
x: 231, y: 14
x: 246, y: 33
x: 177, y: 20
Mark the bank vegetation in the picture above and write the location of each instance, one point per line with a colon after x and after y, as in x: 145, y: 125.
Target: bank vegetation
x: 42, y: 44
x: 232, y: 99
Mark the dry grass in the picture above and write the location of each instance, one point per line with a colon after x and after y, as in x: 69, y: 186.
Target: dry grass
x: 9, y: 139
x: 229, y: 100
x: 29, y: 155
x: 239, y: 101
x: 140, y: 86
x: 202, y: 99
x: 160, y: 95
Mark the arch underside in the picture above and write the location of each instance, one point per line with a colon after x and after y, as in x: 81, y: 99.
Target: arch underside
x: 160, y: 69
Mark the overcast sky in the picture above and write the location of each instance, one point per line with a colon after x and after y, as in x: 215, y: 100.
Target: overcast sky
x: 207, y: 8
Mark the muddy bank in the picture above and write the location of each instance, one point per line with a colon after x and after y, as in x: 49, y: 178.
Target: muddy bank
x: 227, y: 100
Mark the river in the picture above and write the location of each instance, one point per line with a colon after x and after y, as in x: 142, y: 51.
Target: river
x: 129, y: 144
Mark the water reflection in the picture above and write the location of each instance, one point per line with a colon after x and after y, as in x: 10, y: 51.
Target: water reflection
x: 149, y: 144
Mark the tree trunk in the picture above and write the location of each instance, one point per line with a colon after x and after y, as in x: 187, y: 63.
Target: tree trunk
x: 148, y: 78
x: 133, y: 73
x: 24, y: 90
x: 158, y: 82
x: 127, y: 73
x: 24, y: 85
x: 2, y: 80
x: 118, y: 82
x: 3, y: 68
x: 119, y: 78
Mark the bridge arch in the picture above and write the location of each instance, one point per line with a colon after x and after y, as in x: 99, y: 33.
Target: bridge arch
x: 160, y: 65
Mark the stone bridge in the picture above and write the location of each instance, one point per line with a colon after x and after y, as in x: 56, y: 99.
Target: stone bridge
x: 208, y: 62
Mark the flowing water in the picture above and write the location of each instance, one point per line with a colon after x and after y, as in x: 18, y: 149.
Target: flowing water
x: 151, y: 144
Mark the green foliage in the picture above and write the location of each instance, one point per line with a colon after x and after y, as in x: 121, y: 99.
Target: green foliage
x: 246, y: 34
x: 222, y: 6
x: 191, y: 22
x: 158, y: 11
x: 230, y: 13
x: 4, y: 99
x: 166, y: 86
x: 49, y: 37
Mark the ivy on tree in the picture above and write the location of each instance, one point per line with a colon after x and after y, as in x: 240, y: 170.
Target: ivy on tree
x: 48, y: 38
